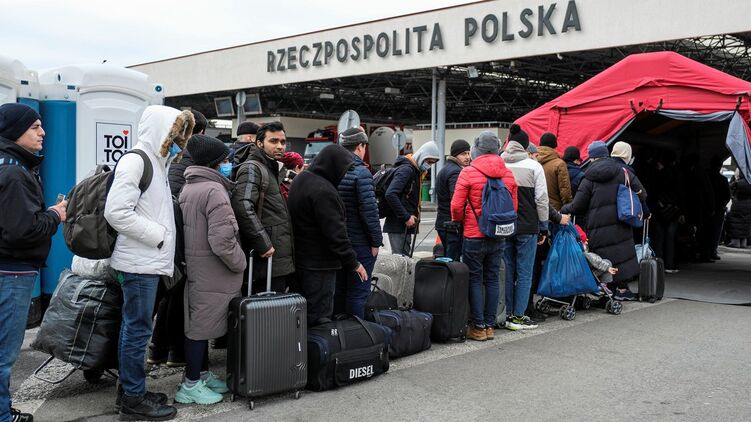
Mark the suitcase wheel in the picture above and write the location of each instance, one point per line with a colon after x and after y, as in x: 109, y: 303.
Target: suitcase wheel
x: 232, y: 398
x: 652, y: 299
x: 297, y: 395
x: 568, y: 312
x: 93, y: 375
x: 251, y: 404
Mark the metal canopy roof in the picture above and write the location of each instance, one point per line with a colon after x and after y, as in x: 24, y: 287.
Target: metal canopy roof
x: 502, y: 91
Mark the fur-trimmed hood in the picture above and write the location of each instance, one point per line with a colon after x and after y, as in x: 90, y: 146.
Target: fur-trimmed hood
x: 161, y: 125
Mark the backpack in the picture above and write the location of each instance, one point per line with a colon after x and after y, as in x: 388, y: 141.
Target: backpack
x: 87, y: 233
x: 498, y: 218
x: 181, y: 266
x: 381, y: 181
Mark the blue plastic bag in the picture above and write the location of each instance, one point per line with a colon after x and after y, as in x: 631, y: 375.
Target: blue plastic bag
x: 629, y: 205
x: 566, y: 271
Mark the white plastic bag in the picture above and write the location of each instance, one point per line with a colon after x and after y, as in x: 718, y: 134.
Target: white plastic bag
x: 93, y: 269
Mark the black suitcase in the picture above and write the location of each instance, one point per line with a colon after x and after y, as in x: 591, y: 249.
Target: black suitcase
x: 266, y: 343
x: 651, y: 274
x: 442, y: 289
x: 346, y: 351
x: 410, y: 330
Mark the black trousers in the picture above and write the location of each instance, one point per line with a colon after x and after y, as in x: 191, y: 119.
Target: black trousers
x: 318, y: 287
x: 169, y: 326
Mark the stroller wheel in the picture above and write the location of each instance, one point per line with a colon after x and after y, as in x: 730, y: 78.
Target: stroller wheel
x: 586, y: 302
x: 616, y: 308
x: 539, y: 305
x: 568, y: 312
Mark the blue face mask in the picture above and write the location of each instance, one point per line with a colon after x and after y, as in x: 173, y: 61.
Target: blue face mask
x: 425, y: 166
x: 174, y: 149
x: 225, y: 169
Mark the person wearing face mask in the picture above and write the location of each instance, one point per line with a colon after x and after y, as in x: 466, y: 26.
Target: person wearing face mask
x: 261, y: 210
x: 215, y: 264
x: 403, y: 196
x: 144, y: 250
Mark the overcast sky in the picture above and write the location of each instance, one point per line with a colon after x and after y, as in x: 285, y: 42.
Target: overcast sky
x: 48, y: 33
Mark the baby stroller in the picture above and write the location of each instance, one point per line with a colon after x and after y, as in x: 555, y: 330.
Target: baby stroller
x: 567, y: 281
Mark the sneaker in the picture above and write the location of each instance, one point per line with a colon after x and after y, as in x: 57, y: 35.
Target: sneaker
x: 155, y: 357
x: 215, y: 384
x: 17, y: 416
x: 489, y: 333
x: 175, y: 359
x: 624, y: 294
x: 144, y: 409
x: 477, y: 334
x: 511, y: 324
x: 159, y: 398
x: 536, y: 315
x: 199, y: 394
x: 671, y: 270
x: 520, y: 323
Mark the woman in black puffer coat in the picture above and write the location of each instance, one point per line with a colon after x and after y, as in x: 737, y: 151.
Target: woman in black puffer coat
x: 597, y: 198
x: 738, y: 222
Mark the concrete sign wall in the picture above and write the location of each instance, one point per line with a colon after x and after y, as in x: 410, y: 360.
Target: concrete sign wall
x: 472, y: 33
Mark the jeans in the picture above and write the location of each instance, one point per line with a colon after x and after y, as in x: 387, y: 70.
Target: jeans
x: 401, y: 244
x: 664, y: 242
x: 352, y: 293
x: 519, y: 255
x: 15, y: 297
x: 139, y: 295
x: 318, y: 288
x: 484, y: 258
x: 452, y: 244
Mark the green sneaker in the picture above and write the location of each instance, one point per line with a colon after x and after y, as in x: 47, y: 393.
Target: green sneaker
x: 215, y: 384
x: 199, y: 394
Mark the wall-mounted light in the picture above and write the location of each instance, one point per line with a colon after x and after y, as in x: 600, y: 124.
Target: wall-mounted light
x: 472, y: 72
x: 390, y: 90
x: 326, y: 96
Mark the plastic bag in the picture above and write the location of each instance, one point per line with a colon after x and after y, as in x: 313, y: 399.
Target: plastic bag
x: 566, y: 271
x: 642, y: 252
x: 94, y: 269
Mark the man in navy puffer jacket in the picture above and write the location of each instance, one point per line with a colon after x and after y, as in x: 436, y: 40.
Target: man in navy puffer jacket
x: 363, y: 226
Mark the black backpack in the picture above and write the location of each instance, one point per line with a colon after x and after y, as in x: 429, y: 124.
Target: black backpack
x: 381, y: 182
x: 86, y: 231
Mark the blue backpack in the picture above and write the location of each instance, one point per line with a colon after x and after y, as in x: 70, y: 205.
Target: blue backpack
x: 498, y: 218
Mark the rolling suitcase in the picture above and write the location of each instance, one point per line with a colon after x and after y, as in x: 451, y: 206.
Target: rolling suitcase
x: 346, y: 351
x: 651, y: 274
x: 266, y: 342
x: 400, y: 270
x: 442, y: 289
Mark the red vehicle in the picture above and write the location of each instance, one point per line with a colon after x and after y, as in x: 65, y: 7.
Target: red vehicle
x: 321, y: 138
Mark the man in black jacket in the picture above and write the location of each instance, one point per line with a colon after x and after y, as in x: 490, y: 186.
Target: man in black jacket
x: 445, y: 182
x: 260, y: 208
x: 363, y: 224
x: 322, y: 246
x: 247, y: 133
x: 168, y: 341
x: 26, y: 230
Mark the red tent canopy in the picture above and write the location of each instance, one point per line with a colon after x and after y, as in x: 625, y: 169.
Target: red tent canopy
x: 600, y: 107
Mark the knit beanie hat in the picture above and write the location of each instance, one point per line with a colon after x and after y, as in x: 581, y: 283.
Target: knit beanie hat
x: 571, y: 154
x: 247, y: 128
x: 515, y: 133
x: 459, y: 146
x: 597, y: 149
x: 548, y: 140
x: 353, y: 136
x: 487, y: 143
x: 622, y: 150
x: 16, y: 119
x: 207, y: 151
x: 292, y: 159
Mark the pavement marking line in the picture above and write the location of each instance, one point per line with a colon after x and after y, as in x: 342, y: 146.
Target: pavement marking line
x: 33, y: 393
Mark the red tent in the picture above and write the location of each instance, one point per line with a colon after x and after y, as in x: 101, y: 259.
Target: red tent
x: 602, y: 107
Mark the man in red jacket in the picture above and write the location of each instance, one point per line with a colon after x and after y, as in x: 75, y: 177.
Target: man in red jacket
x: 483, y: 256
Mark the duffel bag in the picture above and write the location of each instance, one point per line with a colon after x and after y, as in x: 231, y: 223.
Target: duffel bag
x: 346, y: 351
x: 379, y: 299
x: 82, y: 323
x: 410, y: 330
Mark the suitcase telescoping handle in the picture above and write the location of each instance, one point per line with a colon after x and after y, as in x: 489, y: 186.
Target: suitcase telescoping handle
x: 268, y: 275
x: 644, y: 233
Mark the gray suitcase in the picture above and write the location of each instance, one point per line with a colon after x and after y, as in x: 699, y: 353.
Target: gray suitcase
x: 400, y: 270
x: 267, y: 346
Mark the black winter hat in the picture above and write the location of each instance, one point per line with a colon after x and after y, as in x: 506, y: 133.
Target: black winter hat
x: 247, y: 128
x: 571, y: 154
x: 207, y: 151
x: 548, y: 140
x: 15, y: 119
x: 459, y: 146
x: 353, y: 136
x: 516, y: 133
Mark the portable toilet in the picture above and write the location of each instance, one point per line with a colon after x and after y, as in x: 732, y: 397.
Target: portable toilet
x: 21, y: 85
x: 91, y: 115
